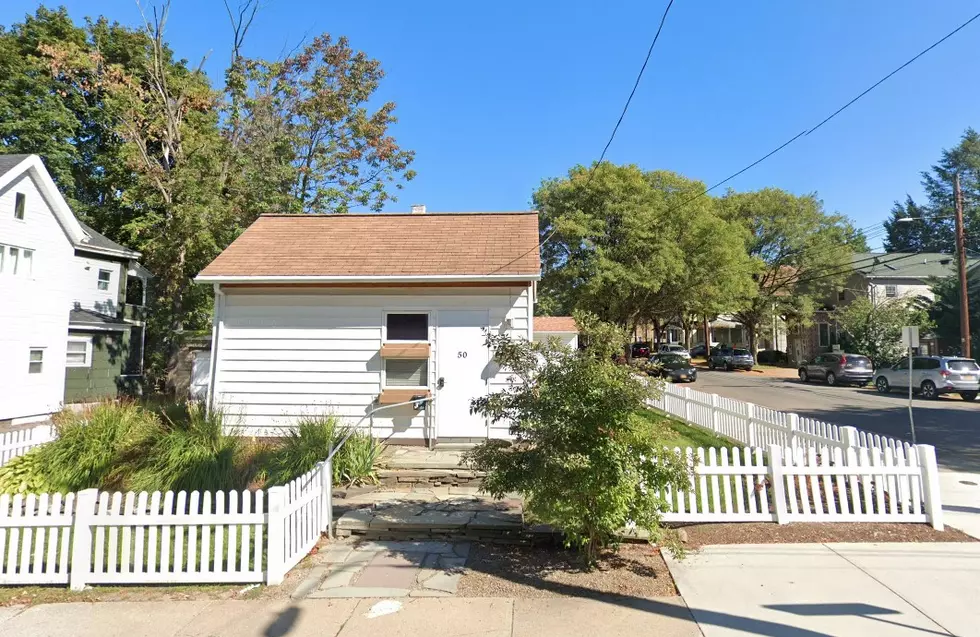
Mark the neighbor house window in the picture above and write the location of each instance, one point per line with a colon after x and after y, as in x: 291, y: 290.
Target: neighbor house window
x: 891, y: 291
x: 20, y: 202
x: 407, y: 327
x: 27, y: 268
x: 400, y: 372
x: 36, y: 360
x: 79, y: 352
x: 14, y: 259
x: 3, y: 254
x: 824, y: 334
x: 105, y: 276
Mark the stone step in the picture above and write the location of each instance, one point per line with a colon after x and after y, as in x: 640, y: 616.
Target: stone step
x: 471, y: 519
x: 436, y: 477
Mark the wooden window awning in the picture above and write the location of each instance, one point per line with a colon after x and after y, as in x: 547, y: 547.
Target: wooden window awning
x: 395, y: 396
x: 405, y: 350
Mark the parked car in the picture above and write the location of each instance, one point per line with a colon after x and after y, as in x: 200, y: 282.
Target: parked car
x: 674, y: 348
x: 729, y: 359
x: 674, y: 367
x: 771, y: 357
x: 640, y: 349
x: 931, y: 376
x: 836, y: 369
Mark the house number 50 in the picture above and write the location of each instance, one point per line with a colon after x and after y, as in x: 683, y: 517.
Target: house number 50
x: 460, y: 354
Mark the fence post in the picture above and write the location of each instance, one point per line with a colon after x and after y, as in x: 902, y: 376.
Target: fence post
x: 714, y: 413
x: 276, y: 535
x: 81, y: 538
x: 686, y: 394
x: 793, y: 420
x: 326, y: 496
x: 850, y: 437
x: 778, y: 481
x: 750, y: 423
x: 930, y: 485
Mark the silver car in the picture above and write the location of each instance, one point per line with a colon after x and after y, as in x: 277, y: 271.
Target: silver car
x: 931, y: 376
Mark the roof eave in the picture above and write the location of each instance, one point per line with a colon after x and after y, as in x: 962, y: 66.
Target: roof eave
x: 422, y: 278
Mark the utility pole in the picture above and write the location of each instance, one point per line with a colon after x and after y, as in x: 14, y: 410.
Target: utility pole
x: 961, y: 257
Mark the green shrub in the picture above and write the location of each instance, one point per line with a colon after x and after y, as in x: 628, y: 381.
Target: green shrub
x: 580, y: 458
x: 25, y: 474
x: 192, y: 453
x: 311, y: 441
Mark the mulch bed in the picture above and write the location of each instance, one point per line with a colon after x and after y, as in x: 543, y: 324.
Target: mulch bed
x: 803, y: 532
x: 637, y: 570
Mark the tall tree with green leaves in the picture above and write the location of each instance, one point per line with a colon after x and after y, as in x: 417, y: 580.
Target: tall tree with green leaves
x: 802, y: 253
x: 621, y: 247
x: 875, y: 329
x: 934, y: 229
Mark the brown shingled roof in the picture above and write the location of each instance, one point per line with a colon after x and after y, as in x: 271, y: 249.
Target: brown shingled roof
x: 393, y: 245
x: 555, y: 324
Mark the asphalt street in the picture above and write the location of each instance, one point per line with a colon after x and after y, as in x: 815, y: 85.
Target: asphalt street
x: 949, y: 423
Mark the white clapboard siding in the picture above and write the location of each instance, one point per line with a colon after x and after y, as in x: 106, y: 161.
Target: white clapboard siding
x: 173, y: 538
x: 35, y: 538
x: 282, y: 355
x: 20, y: 441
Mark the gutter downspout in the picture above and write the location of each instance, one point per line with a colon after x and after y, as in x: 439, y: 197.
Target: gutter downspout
x: 219, y: 302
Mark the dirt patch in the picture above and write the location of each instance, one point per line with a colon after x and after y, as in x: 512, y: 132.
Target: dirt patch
x: 636, y: 570
x: 804, y: 532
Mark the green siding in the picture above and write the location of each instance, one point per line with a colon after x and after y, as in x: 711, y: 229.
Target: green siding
x: 100, y: 380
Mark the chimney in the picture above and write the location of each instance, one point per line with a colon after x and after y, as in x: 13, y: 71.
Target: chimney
x: 418, y: 209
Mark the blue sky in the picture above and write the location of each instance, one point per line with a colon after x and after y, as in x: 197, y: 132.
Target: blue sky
x: 496, y: 96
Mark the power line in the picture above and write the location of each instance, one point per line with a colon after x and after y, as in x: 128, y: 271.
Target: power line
x: 826, y: 119
x: 612, y: 136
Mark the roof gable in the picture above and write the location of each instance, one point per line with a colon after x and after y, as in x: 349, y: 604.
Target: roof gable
x: 13, y: 166
x: 395, y: 247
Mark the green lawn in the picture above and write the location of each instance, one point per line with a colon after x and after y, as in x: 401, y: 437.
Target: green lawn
x: 673, y: 433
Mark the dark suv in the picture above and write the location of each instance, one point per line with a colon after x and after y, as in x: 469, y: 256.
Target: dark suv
x: 837, y: 369
x: 729, y: 359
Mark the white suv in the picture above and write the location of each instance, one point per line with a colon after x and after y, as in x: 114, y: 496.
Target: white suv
x: 931, y: 376
x: 674, y: 348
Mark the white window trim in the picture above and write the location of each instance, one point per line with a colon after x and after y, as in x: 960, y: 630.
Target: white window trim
x: 384, y: 326
x: 384, y: 371
x: 88, y: 351
x: 34, y: 348
x: 891, y: 296
x: 99, y: 281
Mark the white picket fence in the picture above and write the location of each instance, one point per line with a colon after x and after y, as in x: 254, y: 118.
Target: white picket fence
x: 96, y: 537
x: 806, y: 485
x: 758, y: 426
x: 20, y: 441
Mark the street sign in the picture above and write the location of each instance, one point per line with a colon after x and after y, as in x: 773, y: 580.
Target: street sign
x: 910, y: 336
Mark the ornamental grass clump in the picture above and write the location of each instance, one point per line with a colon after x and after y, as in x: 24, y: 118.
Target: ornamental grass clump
x: 579, y: 457
x: 310, y: 442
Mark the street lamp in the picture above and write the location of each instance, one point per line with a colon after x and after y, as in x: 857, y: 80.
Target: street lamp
x: 961, y: 254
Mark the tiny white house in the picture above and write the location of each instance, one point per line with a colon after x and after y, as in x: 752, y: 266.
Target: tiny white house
x: 563, y: 328
x: 380, y: 319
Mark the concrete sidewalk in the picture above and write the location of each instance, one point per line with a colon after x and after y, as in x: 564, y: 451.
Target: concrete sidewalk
x: 444, y: 617
x: 833, y: 590
x: 960, y: 494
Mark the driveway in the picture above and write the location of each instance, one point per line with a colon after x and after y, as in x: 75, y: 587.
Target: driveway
x: 950, y: 424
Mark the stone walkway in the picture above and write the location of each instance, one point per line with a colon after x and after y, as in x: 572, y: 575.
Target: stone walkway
x: 385, y: 569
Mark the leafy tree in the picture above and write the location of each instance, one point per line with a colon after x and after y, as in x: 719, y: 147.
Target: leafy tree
x: 875, y: 329
x: 802, y: 252
x: 620, y: 246
x: 581, y: 457
x: 936, y: 230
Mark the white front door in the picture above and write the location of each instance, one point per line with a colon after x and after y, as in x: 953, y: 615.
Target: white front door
x: 462, y: 365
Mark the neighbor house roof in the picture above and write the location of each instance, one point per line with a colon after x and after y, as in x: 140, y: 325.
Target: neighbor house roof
x: 9, y: 162
x: 388, y: 247
x: 96, y: 242
x: 92, y: 320
x: 555, y: 324
x: 905, y: 265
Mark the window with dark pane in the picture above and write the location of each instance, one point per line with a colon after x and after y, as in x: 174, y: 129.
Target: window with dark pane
x: 408, y: 327
x: 401, y: 372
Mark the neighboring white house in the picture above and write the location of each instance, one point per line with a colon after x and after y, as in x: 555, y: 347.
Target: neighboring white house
x: 346, y: 314
x: 51, y: 266
x: 561, y: 327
